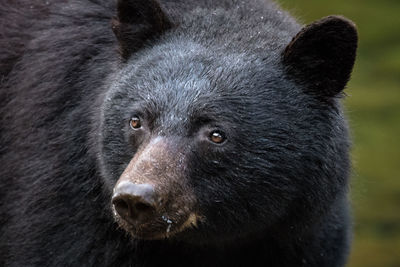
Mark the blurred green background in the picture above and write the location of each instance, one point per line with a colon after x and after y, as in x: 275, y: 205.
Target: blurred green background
x: 373, y: 109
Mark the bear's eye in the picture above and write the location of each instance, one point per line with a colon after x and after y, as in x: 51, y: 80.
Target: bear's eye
x: 217, y: 137
x: 135, y: 123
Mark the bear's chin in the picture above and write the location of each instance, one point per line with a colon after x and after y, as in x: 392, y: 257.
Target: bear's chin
x: 161, y: 228
x: 185, y: 235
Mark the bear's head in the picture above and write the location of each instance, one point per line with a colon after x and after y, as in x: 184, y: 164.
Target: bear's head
x: 205, y: 143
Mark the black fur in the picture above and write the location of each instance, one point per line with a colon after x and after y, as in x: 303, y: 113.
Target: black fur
x: 324, y: 52
x: 136, y: 22
x: 274, y: 194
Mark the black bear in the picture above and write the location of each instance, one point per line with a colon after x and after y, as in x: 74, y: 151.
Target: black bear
x: 172, y: 133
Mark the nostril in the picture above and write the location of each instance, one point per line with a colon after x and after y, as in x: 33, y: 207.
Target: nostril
x: 132, y: 209
x: 121, y: 206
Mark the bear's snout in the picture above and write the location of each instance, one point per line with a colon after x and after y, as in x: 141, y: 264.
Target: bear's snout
x: 152, y: 198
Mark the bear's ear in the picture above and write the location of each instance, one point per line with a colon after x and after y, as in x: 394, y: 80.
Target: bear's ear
x: 136, y: 22
x: 321, y: 56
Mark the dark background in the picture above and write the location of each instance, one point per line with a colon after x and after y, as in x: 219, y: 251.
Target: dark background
x: 373, y: 109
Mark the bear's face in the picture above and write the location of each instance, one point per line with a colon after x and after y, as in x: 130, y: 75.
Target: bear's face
x: 188, y: 123
x: 207, y: 144
x: 230, y: 145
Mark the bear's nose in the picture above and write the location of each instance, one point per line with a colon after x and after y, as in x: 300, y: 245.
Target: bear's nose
x: 135, y: 203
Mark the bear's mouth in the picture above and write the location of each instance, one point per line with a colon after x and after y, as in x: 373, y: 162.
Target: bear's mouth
x: 159, y: 227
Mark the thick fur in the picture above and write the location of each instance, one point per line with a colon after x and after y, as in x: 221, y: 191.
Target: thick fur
x: 273, y: 195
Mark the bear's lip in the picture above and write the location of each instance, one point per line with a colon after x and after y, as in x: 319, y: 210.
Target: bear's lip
x: 161, y: 227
